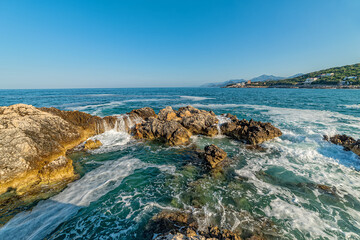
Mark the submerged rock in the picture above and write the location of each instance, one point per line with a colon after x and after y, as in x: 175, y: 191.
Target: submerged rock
x: 252, y: 132
x: 214, y: 155
x: 181, y: 225
x: 349, y: 143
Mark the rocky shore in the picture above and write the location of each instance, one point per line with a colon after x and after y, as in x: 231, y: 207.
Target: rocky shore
x: 36, y: 142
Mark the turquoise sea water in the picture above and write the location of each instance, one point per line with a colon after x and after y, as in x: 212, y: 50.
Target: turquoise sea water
x: 125, y: 183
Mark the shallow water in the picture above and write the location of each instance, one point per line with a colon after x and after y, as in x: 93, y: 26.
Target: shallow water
x: 125, y: 183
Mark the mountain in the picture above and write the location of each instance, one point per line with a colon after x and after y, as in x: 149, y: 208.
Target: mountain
x: 222, y: 84
x: 261, y: 78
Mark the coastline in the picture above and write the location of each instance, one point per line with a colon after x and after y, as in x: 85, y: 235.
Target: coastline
x: 300, y: 86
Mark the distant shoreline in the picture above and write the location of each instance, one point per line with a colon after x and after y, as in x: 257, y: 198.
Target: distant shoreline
x: 301, y: 86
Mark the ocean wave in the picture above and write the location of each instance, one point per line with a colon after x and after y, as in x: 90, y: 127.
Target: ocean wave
x: 48, y: 214
x: 209, y: 106
x: 353, y: 106
x: 195, y: 98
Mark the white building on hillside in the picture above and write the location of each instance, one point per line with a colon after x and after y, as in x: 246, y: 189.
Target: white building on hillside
x: 327, y: 75
x: 350, y: 77
x: 310, y: 80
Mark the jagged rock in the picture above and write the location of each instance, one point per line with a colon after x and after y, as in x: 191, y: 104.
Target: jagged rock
x: 252, y: 132
x: 91, y: 144
x: 214, y: 155
x: 145, y: 112
x: 167, y: 114
x: 34, y: 142
x: 170, y: 132
x: 349, y: 143
x: 199, y: 121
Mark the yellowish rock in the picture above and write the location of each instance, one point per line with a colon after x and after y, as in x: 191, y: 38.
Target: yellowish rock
x: 91, y: 144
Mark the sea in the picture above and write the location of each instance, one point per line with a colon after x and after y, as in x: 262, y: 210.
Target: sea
x: 274, y: 190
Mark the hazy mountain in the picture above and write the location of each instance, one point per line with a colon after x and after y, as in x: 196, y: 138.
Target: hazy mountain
x: 261, y: 78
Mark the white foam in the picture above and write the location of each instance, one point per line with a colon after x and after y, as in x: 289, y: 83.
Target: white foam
x: 48, y: 214
x: 353, y: 106
x: 195, y: 98
x: 209, y: 106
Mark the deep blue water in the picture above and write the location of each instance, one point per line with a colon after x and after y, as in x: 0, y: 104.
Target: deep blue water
x: 125, y: 183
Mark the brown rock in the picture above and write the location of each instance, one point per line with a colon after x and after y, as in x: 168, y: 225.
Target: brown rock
x: 349, y: 143
x: 145, y: 112
x: 198, y: 121
x: 181, y: 225
x: 252, y: 132
x: 167, y: 114
x: 214, y: 155
x: 91, y: 144
x: 170, y: 132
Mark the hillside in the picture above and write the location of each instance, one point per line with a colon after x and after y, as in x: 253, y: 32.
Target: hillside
x: 345, y: 75
x: 261, y: 78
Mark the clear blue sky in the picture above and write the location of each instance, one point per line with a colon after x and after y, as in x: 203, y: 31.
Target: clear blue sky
x: 168, y: 43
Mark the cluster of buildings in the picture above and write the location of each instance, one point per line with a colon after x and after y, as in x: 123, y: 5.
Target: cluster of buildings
x: 343, y: 82
x: 310, y: 80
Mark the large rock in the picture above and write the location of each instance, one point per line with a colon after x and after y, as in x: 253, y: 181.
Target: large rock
x: 176, y: 127
x: 252, y: 132
x: 214, y: 155
x: 198, y: 121
x: 349, y: 143
x: 34, y: 143
x: 144, y: 113
x: 170, y: 132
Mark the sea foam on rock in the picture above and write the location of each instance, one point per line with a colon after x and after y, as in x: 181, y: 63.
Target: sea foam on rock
x: 34, y: 143
x: 35, y: 140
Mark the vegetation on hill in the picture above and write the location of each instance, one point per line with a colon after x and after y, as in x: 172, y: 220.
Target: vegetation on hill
x: 339, y: 74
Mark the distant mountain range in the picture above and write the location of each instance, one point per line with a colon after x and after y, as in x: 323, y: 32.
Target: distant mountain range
x: 261, y: 78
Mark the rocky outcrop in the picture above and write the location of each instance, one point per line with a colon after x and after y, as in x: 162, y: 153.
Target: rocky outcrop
x: 252, y: 132
x: 144, y: 113
x: 349, y: 143
x: 214, y: 155
x: 176, y: 127
x: 34, y: 142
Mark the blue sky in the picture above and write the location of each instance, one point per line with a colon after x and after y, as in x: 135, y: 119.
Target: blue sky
x: 171, y: 43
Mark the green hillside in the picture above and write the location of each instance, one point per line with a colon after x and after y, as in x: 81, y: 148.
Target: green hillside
x: 339, y: 73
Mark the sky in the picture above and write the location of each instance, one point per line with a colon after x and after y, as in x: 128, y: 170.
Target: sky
x: 170, y: 43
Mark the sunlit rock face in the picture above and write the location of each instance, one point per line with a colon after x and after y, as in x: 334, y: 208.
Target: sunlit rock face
x: 176, y: 127
x: 34, y: 143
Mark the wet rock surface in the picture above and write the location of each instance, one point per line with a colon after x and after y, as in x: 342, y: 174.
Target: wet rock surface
x: 176, y: 127
x: 175, y: 225
x: 252, y: 132
x: 214, y: 155
x: 35, y: 141
x: 91, y: 144
x: 349, y: 143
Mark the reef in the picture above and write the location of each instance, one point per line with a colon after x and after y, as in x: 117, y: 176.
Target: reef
x: 176, y: 225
